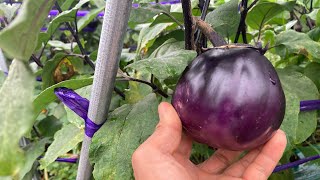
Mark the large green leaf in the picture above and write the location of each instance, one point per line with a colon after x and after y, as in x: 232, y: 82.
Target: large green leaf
x: 169, y: 65
x: 168, y: 46
x: 19, y: 39
x: 225, y: 19
x: 15, y: 116
x: 33, y: 151
x: 297, y: 87
x: 312, y: 71
x: 164, y: 18
x: 145, y: 12
x: 64, y: 140
x: 83, y: 22
x: 265, y: 11
x: 47, y: 96
x: 148, y: 34
x: 292, y: 42
x: 290, y: 122
x: 113, y: 145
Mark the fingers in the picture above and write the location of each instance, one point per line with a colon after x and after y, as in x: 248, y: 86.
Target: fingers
x: 263, y: 165
x: 237, y: 169
x: 219, y: 161
x: 167, y: 135
x: 185, y: 146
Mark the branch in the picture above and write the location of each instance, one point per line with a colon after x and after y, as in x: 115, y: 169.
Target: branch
x: 208, y: 31
x: 155, y: 88
x: 242, y: 24
x: 187, y: 16
x: 204, y: 9
x: 36, y: 60
x: 76, y: 37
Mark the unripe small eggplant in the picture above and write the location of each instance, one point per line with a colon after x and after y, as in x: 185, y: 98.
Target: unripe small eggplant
x: 230, y: 98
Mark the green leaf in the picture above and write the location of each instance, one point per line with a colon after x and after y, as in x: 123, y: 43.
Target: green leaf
x: 64, y: 140
x: 169, y: 65
x: 137, y: 92
x: 19, y: 39
x: 265, y: 11
x: 314, y: 34
x: 292, y: 42
x: 298, y: 87
x: 84, y: 21
x: 312, y: 71
x: 148, y: 34
x: 47, y: 96
x: 168, y: 46
x: 33, y: 151
x: 99, y: 3
x: 145, y: 12
x: 61, y: 45
x: 225, y: 19
x: 66, y: 5
x: 290, y: 122
x: 113, y: 145
x: 15, y: 116
x: 65, y: 16
x: 49, y: 126
x: 164, y: 18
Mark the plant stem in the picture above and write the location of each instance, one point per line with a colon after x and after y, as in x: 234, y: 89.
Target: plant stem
x: 36, y: 60
x: 252, y: 4
x: 204, y: 10
x: 208, y: 31
x: 36, y: 131
x: 155, y: 88
x: 242, y: 24
x: 188, y: 24
x: 114, y: 26
x: 42, y: 50
x: 76, y: 37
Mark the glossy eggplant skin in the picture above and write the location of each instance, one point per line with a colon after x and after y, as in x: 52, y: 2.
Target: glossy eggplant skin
x: 230, y: 98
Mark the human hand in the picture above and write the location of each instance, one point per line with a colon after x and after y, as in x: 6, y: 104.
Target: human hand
x: 165, y: 155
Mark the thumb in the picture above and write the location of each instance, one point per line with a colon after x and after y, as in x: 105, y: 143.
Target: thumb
x: 167, y: 135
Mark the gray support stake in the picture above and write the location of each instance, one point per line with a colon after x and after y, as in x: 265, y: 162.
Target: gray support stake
x: 111, y: 41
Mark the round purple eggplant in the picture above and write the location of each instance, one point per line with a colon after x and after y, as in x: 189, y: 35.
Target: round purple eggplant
x: 230, y: 98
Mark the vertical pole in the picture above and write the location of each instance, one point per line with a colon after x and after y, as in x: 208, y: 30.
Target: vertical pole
x: 113, y: 29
